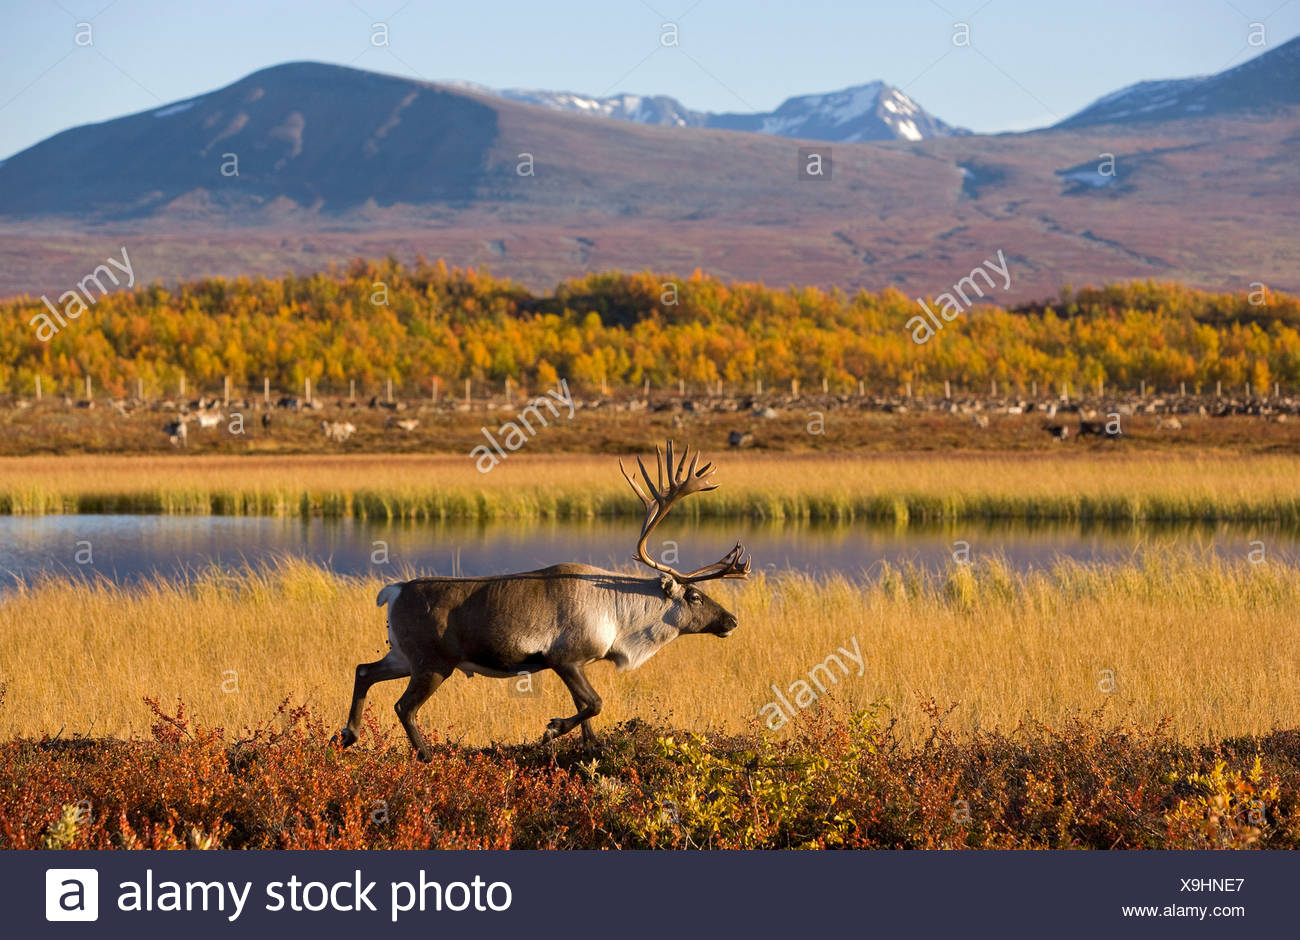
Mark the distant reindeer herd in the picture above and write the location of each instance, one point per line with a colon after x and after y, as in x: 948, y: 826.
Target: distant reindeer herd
x: 1110, y: 430
x: 209, y: 415
x: 1063, y: 418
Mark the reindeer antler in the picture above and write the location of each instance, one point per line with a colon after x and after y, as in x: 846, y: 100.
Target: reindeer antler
x: 674, y: 484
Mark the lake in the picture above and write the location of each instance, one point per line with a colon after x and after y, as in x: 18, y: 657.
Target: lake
x: 125, y: 548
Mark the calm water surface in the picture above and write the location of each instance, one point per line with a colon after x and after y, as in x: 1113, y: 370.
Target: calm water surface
x: 126, y: 548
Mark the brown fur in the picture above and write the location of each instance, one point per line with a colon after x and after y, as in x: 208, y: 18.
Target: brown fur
x: 560, y: 618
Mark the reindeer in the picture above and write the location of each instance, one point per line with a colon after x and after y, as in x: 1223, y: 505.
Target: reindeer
x: 1102, y: 429
x: 338, y: 431
x: 177, y: 432
x: 561, y: 618
x: 1096, y: 428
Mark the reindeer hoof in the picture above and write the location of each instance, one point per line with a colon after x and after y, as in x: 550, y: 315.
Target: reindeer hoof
x: 554, y: 728
x: 423, y: 756
x: 344, y: 738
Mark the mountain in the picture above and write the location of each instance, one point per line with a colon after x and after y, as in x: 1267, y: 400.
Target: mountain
x: 311, y: 143
x: 302, y: 165
x: 291, y: 138
x: 866, y: 112
x: 639, y: 109
x: 875, y: 111
x: 1265, y: 83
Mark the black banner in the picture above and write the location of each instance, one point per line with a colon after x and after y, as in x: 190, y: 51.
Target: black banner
x: 647, y: 894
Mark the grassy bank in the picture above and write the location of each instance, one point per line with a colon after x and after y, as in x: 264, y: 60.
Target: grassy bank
x: 1208, y: 644
x: 902, y: 488
x: 838, y: 783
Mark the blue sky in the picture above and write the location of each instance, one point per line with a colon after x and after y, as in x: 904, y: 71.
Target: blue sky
x: 1027, y: 64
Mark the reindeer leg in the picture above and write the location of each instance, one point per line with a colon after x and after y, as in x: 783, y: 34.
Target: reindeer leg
x: 422, y: 685
x: 590, y: 742
x: 392, y: 666
x: 584, y: 698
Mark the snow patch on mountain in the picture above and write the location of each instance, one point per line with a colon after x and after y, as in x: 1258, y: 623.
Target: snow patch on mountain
x: 907, y: 130
x: 874, y: 111
x: 1089, y: 178
x: 175, y: 108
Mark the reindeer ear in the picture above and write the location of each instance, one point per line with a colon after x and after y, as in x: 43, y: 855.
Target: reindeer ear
x: 672, y: 587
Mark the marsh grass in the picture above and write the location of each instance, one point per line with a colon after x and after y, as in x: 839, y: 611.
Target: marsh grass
x: 898, y: 489
x: 1210, y: 644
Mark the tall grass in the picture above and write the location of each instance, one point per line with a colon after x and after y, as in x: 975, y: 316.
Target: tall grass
x: 899, y: 490
x: 1211, y: 644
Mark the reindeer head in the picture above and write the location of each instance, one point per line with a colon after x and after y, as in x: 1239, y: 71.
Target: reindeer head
x: 692, y: 610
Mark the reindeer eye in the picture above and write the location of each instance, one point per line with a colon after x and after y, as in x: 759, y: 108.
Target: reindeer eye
x: 693, y: 596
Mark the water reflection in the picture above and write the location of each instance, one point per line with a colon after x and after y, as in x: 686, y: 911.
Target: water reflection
x: 126, y: 548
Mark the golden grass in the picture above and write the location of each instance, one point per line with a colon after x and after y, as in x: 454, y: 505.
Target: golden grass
x: 1068, y: 486
x: 1211, y: 644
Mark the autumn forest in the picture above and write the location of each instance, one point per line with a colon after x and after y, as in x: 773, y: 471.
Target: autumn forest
x: 380, y: 320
